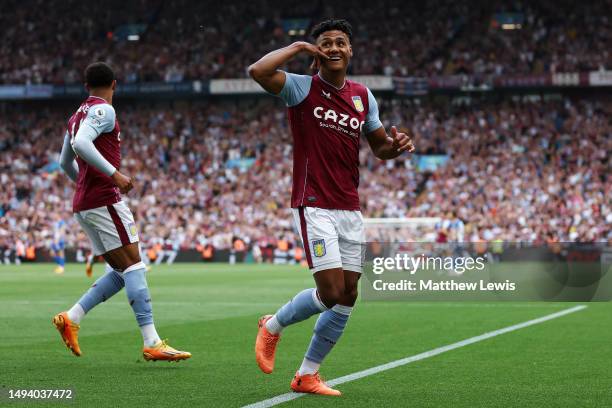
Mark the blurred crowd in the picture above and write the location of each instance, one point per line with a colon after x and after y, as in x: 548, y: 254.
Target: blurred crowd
x: 211, y: 172
x: 524, y: 172
x: 182, y: 40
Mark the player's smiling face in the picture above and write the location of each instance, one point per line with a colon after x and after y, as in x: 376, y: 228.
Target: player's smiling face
x: 336, y: 45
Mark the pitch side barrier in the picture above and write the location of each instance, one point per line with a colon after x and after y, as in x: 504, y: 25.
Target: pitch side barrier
x: 187, y: 255
x: 411, y: 86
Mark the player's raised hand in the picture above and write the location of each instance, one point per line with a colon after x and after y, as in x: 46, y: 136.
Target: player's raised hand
x: 400, y: 141
x: 122, y: 181
x: 314, y: 51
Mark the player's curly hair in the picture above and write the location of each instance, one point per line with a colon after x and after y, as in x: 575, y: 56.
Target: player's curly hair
x: 99, y: 75
x: 332, y: 24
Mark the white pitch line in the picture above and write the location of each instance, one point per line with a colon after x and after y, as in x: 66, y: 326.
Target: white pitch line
x: 279, y: 399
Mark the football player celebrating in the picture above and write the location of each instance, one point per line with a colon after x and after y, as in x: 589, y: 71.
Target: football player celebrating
x: 93, y: 134
x: 327, y: 114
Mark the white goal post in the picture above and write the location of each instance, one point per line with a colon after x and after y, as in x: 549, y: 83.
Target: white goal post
x: 422, y: 229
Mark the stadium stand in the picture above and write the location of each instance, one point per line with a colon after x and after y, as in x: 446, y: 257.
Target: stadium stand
x: 183, y: 40
x: 517, y: 171
x: 209, y: 171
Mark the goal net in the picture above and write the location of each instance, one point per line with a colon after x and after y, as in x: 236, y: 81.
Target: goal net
x: 400, y: 229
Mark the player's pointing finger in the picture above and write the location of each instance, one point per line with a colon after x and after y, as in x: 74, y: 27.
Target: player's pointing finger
x: 393, y: 132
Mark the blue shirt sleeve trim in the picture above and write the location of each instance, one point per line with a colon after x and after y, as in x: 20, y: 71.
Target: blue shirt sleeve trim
x: 101, y: 118
x: 372, y: 121
x: 296, y: 88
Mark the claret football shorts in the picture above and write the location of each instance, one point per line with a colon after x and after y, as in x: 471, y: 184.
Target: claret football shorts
x: 108, y: 227
x: 331, y: 238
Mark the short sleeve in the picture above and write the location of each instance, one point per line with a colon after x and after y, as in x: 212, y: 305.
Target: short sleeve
x: 296, y: 88
x: 101, y: 118
x: 372, y: 121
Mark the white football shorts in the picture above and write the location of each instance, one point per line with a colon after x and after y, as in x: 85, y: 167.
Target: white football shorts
x: 331, y: 238
x: 108, y: 227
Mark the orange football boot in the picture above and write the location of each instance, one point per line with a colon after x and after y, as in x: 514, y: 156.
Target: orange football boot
x: 265, y: 346
x: 163, y: 352
x: 312, y: 384
x: 69, y: 332
x: 89, y: 270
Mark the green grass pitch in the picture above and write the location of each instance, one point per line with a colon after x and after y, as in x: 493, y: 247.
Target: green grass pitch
x: 212, y: 311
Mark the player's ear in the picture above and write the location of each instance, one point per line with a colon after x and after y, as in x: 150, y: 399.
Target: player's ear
x: 114, y: 84
x: 86, y: 86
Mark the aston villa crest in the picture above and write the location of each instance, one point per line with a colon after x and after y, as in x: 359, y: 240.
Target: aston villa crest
x: 133, y: 230
x: 357, y: 103
x: 318, y: 247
